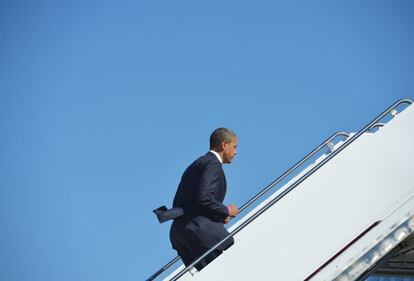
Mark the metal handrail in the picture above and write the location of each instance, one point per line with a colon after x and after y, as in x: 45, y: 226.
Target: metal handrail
x: 290, y: 170
x: 292, y: 186
x: 265, y: 190
x: 164, y: 268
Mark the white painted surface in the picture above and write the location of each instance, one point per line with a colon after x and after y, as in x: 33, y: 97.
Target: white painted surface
x: 368, y: 181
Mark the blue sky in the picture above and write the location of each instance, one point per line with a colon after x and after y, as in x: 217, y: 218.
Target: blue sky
x: 103, y: 104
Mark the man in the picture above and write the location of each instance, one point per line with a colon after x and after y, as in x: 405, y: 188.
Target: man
x: 200, y: 194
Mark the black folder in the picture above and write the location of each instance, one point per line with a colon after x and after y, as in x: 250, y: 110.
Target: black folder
x: 164, y: 214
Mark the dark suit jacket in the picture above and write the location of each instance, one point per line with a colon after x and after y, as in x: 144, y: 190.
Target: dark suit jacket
x: 200, y: 194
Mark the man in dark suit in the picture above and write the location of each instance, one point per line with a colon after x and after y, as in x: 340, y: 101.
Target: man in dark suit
x: 200, y: 194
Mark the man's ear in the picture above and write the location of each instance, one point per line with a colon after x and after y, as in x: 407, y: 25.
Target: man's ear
x: 223, y: 145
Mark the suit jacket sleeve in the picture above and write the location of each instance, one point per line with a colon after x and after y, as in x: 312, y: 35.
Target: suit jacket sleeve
x: 210, y: 180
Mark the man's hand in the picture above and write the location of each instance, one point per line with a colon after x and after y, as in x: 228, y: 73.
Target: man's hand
x: 233, y: 210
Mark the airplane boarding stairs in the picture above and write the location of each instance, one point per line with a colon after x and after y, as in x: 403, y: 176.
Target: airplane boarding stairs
x: 348, y: 215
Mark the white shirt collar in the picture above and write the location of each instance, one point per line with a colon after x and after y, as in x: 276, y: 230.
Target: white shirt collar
x: 217, y: 155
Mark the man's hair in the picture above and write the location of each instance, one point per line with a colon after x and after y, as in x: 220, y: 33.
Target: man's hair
x: 219, y: 135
